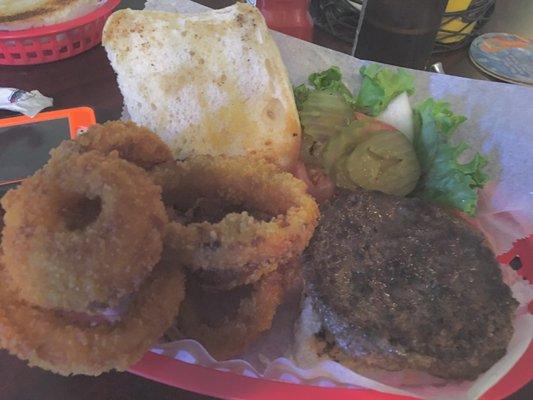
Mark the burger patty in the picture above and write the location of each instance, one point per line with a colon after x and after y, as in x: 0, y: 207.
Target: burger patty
x: 402, y: 284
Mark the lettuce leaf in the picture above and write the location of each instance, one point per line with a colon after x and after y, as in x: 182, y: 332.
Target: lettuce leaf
x: 380, y: 85
x: 329, y: 80
x: 444, y: 181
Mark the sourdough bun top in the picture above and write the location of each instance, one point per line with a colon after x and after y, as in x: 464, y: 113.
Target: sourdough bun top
x: 25, y: 14
x: 208, y: 83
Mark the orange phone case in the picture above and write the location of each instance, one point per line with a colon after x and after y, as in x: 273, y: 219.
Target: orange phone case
x: 79, y: 118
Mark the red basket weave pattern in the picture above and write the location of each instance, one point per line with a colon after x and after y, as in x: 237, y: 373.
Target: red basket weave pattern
x: 54, y: 42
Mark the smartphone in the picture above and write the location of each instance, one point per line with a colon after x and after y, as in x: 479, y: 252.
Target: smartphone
x: 25, y: 142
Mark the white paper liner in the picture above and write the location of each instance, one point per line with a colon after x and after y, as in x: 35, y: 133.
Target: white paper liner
x: 499, y: 125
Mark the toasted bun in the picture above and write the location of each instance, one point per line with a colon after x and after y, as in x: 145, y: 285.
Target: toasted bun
x: 209, y: 83
x: 25, y: 14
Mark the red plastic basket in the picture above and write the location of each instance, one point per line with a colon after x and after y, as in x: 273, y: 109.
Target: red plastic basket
x: 55, y: 42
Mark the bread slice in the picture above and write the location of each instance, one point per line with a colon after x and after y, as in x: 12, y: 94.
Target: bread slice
x: 25, y: 14
x: 207, y: 83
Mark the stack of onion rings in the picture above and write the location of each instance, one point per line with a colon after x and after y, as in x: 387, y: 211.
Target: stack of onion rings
x: 239, y: 229
x: 83, y: 237
x: 236, y: 248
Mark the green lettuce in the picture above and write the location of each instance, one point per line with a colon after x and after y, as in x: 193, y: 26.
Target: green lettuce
x: 329, y: 80
x: 444, y: 180
x: 380, y: 85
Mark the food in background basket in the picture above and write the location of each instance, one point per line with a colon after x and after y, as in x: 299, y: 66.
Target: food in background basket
x: 210, y: 83
x: 86, y: 284
x: 18, y: 14
x: 396, y: 283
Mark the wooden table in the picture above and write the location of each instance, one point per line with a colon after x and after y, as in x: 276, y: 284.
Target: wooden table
x: 89, y: 80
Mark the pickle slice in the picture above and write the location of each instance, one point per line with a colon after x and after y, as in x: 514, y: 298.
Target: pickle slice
x: 324, y: 114
x: 339, y: 174
x: 344, y: 142
x: 387, y: 162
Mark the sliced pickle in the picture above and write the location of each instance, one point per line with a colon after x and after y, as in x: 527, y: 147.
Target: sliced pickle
x: 324, y: 114
x: 344, y: 142
x: 387, y: 162
x: 339, y: 174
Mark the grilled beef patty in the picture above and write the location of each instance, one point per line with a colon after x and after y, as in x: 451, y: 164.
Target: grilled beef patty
x: 402, y: 284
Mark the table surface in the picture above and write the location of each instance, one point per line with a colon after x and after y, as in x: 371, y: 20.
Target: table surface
x: 89, y: 80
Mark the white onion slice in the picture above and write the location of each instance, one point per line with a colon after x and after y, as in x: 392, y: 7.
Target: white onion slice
x: 400, y: 115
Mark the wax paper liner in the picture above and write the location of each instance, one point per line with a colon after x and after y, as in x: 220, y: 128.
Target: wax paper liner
x: 499, y: 126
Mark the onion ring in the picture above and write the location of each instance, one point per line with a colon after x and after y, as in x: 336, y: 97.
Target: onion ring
x: 133, y: 143
x: 226, y: 322
x: 236, y: 248
x: 48, y: 340
x: 88, y: 229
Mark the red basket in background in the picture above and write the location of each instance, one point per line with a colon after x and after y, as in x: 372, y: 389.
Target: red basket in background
x: 55, y: 42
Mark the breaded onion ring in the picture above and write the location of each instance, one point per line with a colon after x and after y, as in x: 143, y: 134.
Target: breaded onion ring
x: 88, y: 229
x: 133, y: 143
x: 239, y: 247
x: 226, y: 322
x: 48, y: 340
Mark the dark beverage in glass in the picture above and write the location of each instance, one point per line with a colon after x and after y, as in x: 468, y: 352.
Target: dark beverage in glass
x: 398, y: 32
